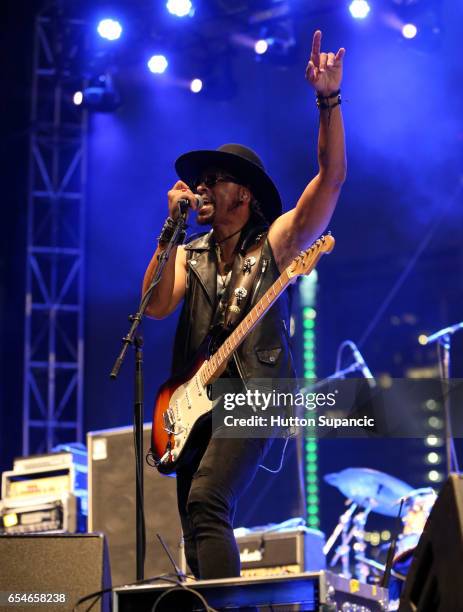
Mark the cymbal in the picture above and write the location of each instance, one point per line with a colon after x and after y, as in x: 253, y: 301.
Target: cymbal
x: 367, y: 487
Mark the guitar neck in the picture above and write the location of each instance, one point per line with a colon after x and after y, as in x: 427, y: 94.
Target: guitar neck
x: 210, y: 368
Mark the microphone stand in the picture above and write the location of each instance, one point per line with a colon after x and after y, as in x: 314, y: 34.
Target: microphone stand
x: 354, y: 367
x: 131, y: 339
x: 443, y: 339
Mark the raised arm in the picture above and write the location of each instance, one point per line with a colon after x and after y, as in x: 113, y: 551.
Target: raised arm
x: 298, y: 228
x: 171, y: 289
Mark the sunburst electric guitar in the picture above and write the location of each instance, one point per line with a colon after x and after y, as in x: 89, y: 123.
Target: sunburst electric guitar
x: 183, y: 400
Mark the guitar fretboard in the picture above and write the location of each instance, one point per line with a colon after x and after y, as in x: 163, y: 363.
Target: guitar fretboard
x: 303, y: 264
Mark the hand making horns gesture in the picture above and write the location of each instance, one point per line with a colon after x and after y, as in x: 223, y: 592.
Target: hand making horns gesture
x: 324, y: 70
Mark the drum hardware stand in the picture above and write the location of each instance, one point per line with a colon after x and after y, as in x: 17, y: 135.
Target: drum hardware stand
x: 361, y: 569
x: 380, y: 567
x: 131, y: 339
x: 443, y: 339
x: 342, y: 528
x: 351, y: 526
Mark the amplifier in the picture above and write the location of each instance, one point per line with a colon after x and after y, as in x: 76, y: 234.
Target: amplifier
x: 47, y: 514
x: 289, y: 551
x: 52, y: 572
x: 111, y: 491
x: 53, y: 474
x: 65, y: 455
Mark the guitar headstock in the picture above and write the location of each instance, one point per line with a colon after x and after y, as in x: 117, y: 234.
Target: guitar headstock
x: 306, y: 261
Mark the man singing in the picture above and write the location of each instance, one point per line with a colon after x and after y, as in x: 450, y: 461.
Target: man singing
x: 243, y: 207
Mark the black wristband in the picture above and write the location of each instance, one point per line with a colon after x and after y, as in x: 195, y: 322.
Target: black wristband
x: 323, y: 101
x: 168, y: 231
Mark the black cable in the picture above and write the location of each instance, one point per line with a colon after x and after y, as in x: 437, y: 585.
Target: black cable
x: 98, y: 594
x: 391, y: 552
x: 184, y: 587
x: 140, y: 491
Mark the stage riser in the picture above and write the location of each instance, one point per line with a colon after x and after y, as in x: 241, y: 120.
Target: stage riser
x: 309, y: 592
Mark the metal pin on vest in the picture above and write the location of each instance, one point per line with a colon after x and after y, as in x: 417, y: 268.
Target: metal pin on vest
x: 240, y: 294
x: 248, y: 263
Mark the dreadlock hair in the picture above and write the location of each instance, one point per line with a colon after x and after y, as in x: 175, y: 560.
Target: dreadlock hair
x: 256, y: 212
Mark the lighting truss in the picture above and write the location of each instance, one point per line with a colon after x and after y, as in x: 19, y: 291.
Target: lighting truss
x: 54, y: 317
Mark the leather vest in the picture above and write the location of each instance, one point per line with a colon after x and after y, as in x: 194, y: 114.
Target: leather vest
x: 265, y: 353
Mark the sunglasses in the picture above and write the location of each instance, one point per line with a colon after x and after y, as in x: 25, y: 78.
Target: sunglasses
x: 211, y: 180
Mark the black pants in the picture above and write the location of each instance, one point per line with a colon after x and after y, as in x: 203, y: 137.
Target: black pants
x: 208, y: 490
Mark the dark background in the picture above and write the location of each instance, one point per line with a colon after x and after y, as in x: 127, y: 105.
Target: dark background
x: 400, y: 212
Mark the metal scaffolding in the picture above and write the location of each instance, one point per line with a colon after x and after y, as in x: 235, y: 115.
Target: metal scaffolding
x: 54, y: 305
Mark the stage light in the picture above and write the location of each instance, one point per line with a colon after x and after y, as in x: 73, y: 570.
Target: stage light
x: 77, y: 98
x: 101, y: 95
x: 423, y: 339
x: 109, y: 29
x: 157, y: 64
x: 435, y: 422
x: 307, y: 290
x: 101, y: 99
x: 261, y: 46
x: 434, y: 476
x: 359, y: 9
x: 409, y: 30
x: 179, y: 8
x: 433, y: 458
x: 433, y: 440
x: 196, y: 85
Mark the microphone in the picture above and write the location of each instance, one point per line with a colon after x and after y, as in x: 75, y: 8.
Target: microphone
x: 184, y: 203
x: 363, y: 366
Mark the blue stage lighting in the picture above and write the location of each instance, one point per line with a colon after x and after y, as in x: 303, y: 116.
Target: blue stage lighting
x: 359, y: 9
x: 109, y: 29
x: 196, y: 85
x: 409, y: 30
x: 179, y: 8
x: 261, y: 46
x: 158, y: 64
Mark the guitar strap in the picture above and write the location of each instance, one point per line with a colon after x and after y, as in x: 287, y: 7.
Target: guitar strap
x: 238, y: 293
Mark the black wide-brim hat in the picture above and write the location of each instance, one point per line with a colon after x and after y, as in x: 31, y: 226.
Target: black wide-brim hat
x: 242, y: 163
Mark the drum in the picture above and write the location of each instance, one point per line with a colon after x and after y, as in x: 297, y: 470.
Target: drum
x: 418, y: 506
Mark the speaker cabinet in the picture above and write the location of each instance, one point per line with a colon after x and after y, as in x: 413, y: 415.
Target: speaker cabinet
x: 52, y: 568
x: 111, y: 478
x: 434, y: 581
